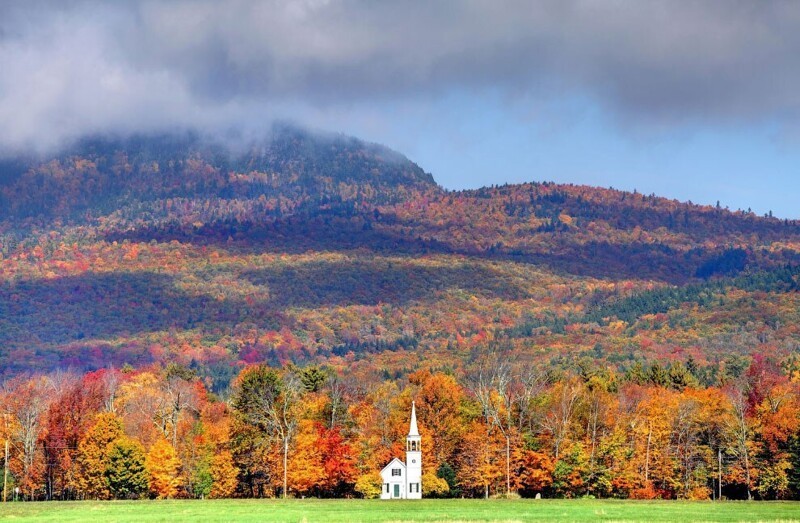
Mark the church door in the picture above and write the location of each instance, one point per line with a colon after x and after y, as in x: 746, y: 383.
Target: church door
x: 396, y: 490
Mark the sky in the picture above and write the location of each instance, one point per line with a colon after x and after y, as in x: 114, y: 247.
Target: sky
x: 693, y: 100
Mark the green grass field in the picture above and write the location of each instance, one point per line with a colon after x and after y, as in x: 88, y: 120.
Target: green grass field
x: 399, y: 511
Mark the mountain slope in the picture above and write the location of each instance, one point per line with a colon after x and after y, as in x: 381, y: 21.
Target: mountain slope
x: 324, y: 248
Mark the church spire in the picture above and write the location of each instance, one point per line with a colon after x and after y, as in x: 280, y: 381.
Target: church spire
x: 413, y: 430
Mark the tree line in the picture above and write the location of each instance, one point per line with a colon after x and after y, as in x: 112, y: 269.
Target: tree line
x: 502, y: 428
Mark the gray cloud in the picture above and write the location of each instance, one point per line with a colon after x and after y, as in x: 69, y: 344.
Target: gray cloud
x: 72, y: 67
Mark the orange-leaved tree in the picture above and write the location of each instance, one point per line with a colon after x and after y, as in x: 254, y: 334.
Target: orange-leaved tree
x: 163, y: 465
x: 224, y: 475
x: 93, y: 451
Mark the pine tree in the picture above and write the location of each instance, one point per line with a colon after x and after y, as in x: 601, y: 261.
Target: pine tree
x: 202, y: 479
x: 126, y: 473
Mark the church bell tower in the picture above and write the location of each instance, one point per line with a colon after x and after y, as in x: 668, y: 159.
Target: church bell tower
x: 414, y: 458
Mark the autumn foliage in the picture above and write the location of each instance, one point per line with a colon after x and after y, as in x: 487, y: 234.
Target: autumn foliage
x: 177, y: 320
x: 163, y: 466
x: 593, y: 432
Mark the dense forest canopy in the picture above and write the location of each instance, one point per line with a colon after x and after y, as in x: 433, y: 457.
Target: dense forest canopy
x: 134, y: 270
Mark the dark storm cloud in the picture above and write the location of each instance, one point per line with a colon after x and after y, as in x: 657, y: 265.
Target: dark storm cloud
x: 70, y: 67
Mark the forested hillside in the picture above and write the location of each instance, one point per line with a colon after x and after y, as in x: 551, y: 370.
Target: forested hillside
x: 136, y: 259
x: 306, y: 248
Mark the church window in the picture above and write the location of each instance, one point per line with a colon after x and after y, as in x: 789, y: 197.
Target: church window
x: 396, y: 472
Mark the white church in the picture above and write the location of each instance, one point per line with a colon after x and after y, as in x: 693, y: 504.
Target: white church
x: 404, y: 480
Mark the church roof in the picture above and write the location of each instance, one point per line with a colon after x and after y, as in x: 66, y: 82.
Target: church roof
x: 413, y: 430
x: 396, y: 462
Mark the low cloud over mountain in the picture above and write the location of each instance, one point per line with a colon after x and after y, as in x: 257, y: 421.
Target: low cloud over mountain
x: 76, y: 67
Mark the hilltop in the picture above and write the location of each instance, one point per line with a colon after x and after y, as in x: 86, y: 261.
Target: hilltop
x: 99, y: 176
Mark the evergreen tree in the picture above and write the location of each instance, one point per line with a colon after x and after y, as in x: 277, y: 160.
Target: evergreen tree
x: 202, y: 480
x: 126, y: 473
x: 636, y: 374
x: 794, y: 470
x: 658, y: 375
x: 680, y: 377
x: 447, y: 473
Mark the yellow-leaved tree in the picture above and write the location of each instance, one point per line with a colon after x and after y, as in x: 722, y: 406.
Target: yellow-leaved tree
x: 433, y: 485
x: 224, y: 475
x: 369, y: 485
x: 93, y: 450
x: 306, y: 471
x: 163, y: 464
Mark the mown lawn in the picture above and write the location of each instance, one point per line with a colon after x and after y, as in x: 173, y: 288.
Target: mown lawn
x: 399, y: 511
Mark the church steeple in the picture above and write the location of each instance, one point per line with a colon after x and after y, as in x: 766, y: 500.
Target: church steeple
x: 413, y: 430
x: 413, y: 457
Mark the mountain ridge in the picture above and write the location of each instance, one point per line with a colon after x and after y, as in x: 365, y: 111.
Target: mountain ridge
x: 335, y: 250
